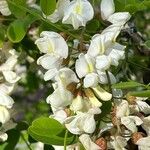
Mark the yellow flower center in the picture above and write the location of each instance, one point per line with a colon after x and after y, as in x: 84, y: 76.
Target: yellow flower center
x: 78, y: 9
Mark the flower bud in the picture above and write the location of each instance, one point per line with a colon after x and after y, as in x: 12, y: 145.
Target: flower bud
x: 102, y: 143
x: 136, y: 136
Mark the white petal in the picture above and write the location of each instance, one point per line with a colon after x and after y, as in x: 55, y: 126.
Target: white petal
x: 131, y: 122
x: 3, y: 137
x: 87, y: 142
x: 78, y: 13
x: 59, y: 115
x: 122, y: 109
x: 50, y: 74
x: 145, y: 125
x: 6, y: 100
x: 59, y: 11
x: 66, y: 76
x: 144, y: 142
x: 102, y: 94
x: 80, y: 104
x: 11, y: 76
x: 103, y: 62
x: 90, y: 80
x: 60, y: 98
x: 4, y: 114
x: 119, y: 18
x: 81, y: 66
x: 143, y: 107
x: 48, y: 61
x: 98, y: 45
x: 103, y: 77
x: 107, y: 8
x: 52, y: 43
x: 4, y: 9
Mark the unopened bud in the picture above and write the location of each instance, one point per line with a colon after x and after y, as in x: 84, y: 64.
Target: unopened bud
x: 102, y: 143
x: 64, y: 35
x: 72, y: 87
x: 131, y: 99
x: 136, y: 136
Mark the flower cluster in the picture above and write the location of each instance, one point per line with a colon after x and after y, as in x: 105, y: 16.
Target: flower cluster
x: 8, y: 78
x: 78, y: 85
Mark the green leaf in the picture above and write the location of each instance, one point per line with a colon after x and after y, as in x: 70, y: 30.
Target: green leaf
x: 13, y: 138
x: 105, y: 109
x: 93, y: 26
x: 23, y: 125
x: 147, y: 43
x: 16, y: 31
x: 17, y: 12
x: 145, y: 93
x: 126, y: 85
x: 49, y: 131
x: 48, y: 6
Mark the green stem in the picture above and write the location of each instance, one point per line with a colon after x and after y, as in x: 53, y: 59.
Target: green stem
x: 109, y: 82
x: 65, y: 140
x: 28, y: 145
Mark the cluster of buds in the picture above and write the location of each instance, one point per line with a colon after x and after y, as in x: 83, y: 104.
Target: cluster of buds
x: 8, y: 79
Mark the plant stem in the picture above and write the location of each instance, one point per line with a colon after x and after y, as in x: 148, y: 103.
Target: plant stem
x: 109, y: 82
x: 65, y: 140
x: 28, y: 145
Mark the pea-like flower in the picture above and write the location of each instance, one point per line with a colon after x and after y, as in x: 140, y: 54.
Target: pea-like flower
x: 59, y: 11
x: 78, y: 13
x: 82, y: 122
x: 52, y: 43
x: 4, y: 8
x: 88, y: 143
x: 108, y: 14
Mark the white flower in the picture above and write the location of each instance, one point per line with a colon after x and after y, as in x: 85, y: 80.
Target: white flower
x: 52, y: 43
x: 6, y: 100
x: 59, y: 11
x: 84, y: 65
x: 80, y: 104
x: 92, y: 98
x: 122, y: 109
x: 66, y: 76
x: 91, y: 80
x: 143, y: 143
x: 78, y: 13
x: 59, y: 115
x: 119, y: 18
x: 131, y: 122
x: 61, y: 97
x: 146, y: 125
x: 4, y: 114
x: 118, y: 143
x: 49, y: 61
x: 84, y: 103
x: 4, y: 8
x: 82, y: 122
x: 102, y: 94
x: 107, y: 8
x: 3, y: 137
x: 107, y: 13
x: 88, y: 143
x: 103, y: 77
x: 104, y: 43
x: 103, y: 62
